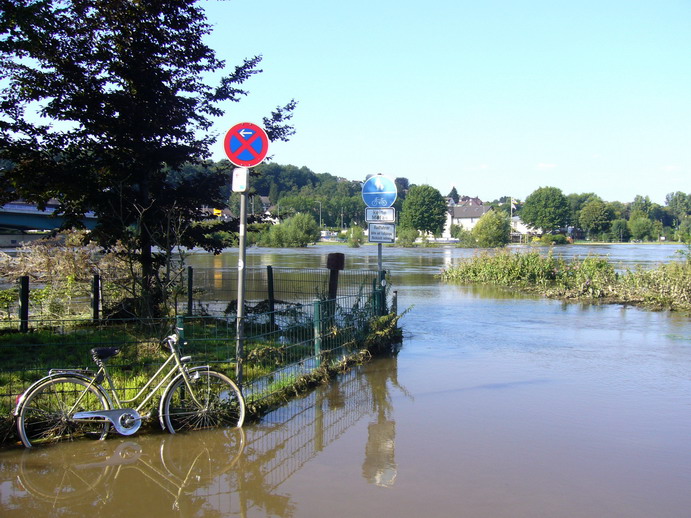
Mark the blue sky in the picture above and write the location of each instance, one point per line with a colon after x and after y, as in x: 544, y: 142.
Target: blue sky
x: 493, y: 97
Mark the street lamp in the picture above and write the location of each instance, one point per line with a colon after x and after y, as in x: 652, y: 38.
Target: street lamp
x: 320, y: 214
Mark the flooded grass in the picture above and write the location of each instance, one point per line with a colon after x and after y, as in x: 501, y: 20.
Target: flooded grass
x: 593, y: 278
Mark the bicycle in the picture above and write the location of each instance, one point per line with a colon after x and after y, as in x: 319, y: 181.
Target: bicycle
x: 72, y: 403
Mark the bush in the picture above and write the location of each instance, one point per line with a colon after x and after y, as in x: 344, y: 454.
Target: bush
x: 296, y: 231
x: 553, y: 239
x: 355, y: 236
x: 493, y: 230
x: 406, y: 237
x: 592, y: 278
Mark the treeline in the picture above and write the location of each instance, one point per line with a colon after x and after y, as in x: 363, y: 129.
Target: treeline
x: 333, y: 201
x: 336, y: 202
x: 588, y: 216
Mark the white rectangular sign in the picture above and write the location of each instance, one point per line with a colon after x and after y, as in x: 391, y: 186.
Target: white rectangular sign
x: 241, y: 177
x: 385, y: 215
x: 382, y: 233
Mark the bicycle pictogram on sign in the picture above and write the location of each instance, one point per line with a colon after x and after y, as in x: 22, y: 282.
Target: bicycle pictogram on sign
x: 246, y: 144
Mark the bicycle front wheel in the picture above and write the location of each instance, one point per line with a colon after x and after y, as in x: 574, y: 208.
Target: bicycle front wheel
x: 46, y: 413
x: 213, y: 401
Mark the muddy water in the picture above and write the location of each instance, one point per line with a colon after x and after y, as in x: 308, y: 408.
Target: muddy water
x: 496, y: 406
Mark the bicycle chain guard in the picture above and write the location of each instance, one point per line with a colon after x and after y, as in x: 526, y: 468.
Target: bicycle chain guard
x: 126, y: 421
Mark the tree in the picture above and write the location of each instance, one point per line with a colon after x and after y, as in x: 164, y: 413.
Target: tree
x: 297, y: 231
x: 424, y: 209
x: 641, y: 228
x: 453, y: 194
x: 642, y: 204
x: 493, y: 230
x: 595, y: 217
x: 576, y: 203
x: 124, y: 84
x: 546, y: 208
x: 619, y: 230
x: 679, y: 204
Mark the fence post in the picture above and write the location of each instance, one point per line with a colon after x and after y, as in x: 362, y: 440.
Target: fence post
x: 96, y: 297
x: 190, y: 288
x: 382, y: 293
x: 317, y: 331
x: 394, y: 303
x: 24, y: 304
x: 335, y: 262
x: 378, y: 298
x: 180, y: 329
x: 271, y: 295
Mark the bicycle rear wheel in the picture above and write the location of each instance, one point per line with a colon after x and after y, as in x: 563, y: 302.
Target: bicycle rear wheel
x: 219, y: 402
x: 45, y: 414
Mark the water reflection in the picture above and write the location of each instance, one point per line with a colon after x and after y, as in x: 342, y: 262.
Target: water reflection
x: 114, y: 477
x: 379, y: 466
x: 215, y: 473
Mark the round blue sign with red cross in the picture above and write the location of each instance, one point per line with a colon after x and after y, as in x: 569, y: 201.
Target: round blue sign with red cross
x: 246, y: 144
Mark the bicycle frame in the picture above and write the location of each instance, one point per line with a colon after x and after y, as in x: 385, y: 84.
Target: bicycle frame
x: 128, y: 420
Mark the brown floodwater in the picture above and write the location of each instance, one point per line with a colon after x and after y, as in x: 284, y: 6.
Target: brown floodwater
x: 496, y: 405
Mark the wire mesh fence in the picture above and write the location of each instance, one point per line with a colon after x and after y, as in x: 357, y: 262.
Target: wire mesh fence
x: 280, y: 346
x: 214, y: 290
x: 199, y: 291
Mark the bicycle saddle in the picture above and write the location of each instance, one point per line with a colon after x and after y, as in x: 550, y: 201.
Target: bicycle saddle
x: 103, y: 353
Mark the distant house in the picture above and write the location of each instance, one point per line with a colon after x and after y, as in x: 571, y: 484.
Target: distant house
x: 521, y: 232
x: 465, y: 216
x: 463, y: 200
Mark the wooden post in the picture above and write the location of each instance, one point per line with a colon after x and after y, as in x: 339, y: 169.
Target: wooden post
x: 96, y: 298
x: 271, y: 295
x: 24, y: 304
x: 335, y: 263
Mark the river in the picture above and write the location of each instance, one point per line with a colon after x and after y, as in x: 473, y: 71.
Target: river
x: 497, y: 405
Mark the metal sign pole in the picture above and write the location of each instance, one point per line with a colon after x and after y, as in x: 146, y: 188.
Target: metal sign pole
x: 246, y: 145
x: 240, y: 184
x: 239, y: 353
x: 379, y: 258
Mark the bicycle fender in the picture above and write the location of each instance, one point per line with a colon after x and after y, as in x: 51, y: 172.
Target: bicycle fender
x: 70, y: 374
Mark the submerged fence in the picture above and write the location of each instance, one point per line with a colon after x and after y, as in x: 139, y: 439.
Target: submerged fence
x: 200, y: 291
x: 291, y: 330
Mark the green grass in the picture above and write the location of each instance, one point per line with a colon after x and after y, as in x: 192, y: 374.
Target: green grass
x: 592, y: 278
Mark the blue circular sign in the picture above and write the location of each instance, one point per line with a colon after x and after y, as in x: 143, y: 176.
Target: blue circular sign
x: 379, y: 191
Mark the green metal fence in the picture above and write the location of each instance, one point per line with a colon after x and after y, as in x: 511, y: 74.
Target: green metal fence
x: 281, y: 346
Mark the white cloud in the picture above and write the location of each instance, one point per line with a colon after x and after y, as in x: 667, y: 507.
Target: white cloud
x: 543, y: 165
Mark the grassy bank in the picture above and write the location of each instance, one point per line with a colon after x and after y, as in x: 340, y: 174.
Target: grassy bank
x: 592, y: 278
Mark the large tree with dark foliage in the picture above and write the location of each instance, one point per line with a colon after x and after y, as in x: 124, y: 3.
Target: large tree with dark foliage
x: 547, y: 209
x: 424, y: 209
x: 102, y: 104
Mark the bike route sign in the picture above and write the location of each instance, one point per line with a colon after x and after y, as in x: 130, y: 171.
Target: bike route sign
x: 379, y: 191
x: 246, y: 144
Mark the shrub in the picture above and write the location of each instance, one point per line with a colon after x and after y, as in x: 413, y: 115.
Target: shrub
x: 493, y: 230
x: 553, y: 239
x: 592, y: 278
x: 355, y: 236
x: 406, y: 237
